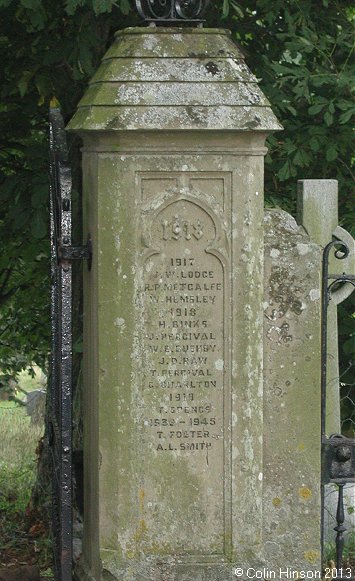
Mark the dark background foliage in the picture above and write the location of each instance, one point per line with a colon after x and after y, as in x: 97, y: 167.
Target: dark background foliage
x: 300, y: 50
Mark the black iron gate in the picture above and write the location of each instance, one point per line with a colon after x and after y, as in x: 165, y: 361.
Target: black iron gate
x: 60, y: 391
x: 338, y: 451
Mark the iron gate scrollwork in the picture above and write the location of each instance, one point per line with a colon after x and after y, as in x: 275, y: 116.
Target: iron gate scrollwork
x: 60, y: 389
x: 338, y: 451
x: 172, y: 12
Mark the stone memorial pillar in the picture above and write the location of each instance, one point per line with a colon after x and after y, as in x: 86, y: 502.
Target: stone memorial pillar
x: 173, y: 126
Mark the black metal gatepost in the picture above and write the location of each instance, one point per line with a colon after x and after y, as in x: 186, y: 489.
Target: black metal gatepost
x: 60, y: 390
x: 338, y: 452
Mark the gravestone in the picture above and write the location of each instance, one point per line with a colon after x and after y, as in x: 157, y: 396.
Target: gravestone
x: 292, y: 397
x: 292, y: 505
x: 35, y: 405
x: 173, y: 126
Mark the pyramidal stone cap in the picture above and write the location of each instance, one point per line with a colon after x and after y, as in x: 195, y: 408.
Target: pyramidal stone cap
x: 173, y: 79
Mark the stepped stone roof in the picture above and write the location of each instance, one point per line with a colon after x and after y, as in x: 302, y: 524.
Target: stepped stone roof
x: 170, y: 79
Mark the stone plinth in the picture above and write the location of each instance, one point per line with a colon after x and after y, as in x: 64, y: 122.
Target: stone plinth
x: 173, y: 125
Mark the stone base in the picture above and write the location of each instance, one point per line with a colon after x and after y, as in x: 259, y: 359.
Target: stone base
x: 171, y: 570
x: 81, y: 572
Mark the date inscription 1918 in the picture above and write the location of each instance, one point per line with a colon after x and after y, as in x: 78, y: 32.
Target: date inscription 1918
x: 183, y: 344
x: 178, y: 228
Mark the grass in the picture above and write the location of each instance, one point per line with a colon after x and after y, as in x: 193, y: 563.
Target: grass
x: 19, y: 440
x: 23, y: 539
x: 348, y: 552
x: 29, y: 383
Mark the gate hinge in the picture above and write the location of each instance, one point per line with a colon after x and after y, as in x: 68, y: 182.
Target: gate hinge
x: 84, y: 252
x: 338, y: 459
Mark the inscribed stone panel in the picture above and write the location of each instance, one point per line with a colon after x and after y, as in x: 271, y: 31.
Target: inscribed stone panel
x: 183, y: 399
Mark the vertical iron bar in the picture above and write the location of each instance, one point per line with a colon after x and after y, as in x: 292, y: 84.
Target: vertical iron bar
x: 66, y: 385
x: 324, y: 332
x: 340, y: 528
x: 326, y: 295
x: 60, y: 400
x: 324, y: 335
x: 324, y: 329
x: 54, y: 378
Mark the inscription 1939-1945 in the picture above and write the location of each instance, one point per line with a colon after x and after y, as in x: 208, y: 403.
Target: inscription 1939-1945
x: 183, y: 292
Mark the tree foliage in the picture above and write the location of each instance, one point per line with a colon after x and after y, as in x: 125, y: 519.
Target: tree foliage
x: 301, y: 50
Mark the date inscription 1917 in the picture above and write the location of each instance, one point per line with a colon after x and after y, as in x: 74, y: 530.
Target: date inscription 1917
x: 183, y: 340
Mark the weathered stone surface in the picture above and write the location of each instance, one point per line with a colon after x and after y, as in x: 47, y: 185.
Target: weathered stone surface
x: 173, y: 320
x: 174, y: 79
x: 174, y: 118
x: 174, y: 43
x: 317, y: 208
x: 170, y: 69
x: 291, y: 493
x: 169, y: 93
x: 317, y: 212
x: 173, y: 376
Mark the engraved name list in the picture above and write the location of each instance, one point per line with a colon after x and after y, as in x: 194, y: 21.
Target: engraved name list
x: 183, y: 344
